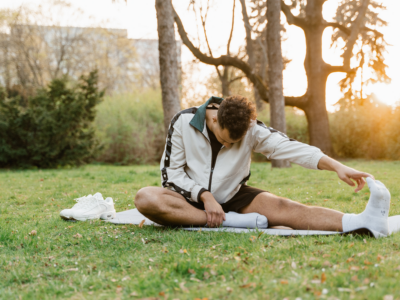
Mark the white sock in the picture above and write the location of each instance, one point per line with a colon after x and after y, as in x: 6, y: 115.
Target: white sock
x: 375, y: 215
x: 251, y: 220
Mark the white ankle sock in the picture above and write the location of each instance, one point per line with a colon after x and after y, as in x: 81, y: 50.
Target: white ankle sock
x: 251, y: 220
x: 375, y: 215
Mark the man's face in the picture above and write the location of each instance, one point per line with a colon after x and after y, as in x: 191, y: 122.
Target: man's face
x: 223, y: 136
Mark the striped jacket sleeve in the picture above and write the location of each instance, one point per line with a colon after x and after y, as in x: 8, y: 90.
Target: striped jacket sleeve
x: 173, y: 163
x: 276, y: 145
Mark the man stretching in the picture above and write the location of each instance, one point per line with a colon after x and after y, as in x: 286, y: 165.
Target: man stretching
x: 206, y: 164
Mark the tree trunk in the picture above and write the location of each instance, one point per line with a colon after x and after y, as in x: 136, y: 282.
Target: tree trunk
x: 317, y: 75
x: 168, y: 61
x: 275, y: 68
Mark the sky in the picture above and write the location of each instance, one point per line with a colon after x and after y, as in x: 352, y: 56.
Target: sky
x: 139, y: 18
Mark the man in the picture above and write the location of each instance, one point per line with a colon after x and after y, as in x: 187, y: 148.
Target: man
x: 206, y: 164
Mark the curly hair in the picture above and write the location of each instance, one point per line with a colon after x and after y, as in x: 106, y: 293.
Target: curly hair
x: 235, y: 113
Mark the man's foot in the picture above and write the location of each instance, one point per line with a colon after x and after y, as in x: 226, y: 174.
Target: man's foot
x: 375, y: 215
x: 251, y: 220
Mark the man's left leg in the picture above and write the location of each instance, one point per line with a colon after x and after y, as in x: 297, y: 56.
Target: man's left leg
x: 285, y: 212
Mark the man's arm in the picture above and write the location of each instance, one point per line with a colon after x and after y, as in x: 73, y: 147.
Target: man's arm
x: 344, y: 173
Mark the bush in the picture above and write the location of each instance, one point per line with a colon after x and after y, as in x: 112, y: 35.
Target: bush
x: 131, y: 128
x: 52, y: 128
x: 366, y: 129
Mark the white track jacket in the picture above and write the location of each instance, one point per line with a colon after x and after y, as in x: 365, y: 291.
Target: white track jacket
x: 186, y: 162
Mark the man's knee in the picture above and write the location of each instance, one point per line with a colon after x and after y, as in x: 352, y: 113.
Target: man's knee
x: 146, y: 199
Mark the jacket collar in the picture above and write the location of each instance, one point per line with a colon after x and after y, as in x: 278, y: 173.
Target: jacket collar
x: 199, y: 118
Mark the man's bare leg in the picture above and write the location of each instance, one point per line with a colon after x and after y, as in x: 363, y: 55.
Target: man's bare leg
x: 284, y: 212
x: 169, y: 208
x: 166, y: 207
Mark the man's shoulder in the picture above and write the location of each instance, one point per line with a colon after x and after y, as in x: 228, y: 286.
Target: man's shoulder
x: 186, y: 114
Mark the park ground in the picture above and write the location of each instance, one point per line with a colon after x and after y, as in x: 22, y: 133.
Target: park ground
x: 44, y: 257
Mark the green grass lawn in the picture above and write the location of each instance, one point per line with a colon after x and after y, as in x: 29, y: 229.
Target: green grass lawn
x: 111, y: 262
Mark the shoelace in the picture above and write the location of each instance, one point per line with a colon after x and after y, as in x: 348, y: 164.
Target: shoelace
x: 85, y: 202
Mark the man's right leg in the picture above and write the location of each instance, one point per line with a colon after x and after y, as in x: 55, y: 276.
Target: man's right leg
x: 166, y: 207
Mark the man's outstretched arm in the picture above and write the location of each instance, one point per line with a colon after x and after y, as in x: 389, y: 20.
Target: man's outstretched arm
x: 345, y: 173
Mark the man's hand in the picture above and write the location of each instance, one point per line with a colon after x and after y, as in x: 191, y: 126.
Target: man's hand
x: 214, y: 211
x: 345, y: 173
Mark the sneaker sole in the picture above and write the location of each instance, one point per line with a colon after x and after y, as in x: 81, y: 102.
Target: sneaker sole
x: 104, y: 216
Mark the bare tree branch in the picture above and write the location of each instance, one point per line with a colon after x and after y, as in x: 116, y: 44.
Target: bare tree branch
x: 347, y: 30
x: 225, y: 60
x: 231, y: 33
x: 292, y: 19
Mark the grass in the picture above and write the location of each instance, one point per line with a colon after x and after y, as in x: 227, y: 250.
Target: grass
x: 111, y: 262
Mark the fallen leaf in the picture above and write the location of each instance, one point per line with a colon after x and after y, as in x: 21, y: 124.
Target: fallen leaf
x: 351, y: 245
x: 354, y: 278
x: 366, y: 262
x: 238, y: 258
x: 151, y: 260
x: 293, y: 265
x: 229, y: 290
x: 345, y: 290
x: 380, y: 257
x: 283, y: 281
x: 141, y: 223
x: 191, y: 271
x: 312, y: 258
x: 125, y: 278
x: 251, y: 284
x: 323, y: 277
x: 71, y: 270
x: 164, y: 250
x: 326, y: 263
x: 388, y: 297
x: 33, y: 232
x: 366, y: 281
x: 350, y: 259
x: 206, y: 275
x: 183, y: 288
x: 326, y: 255
x: 161, y: 294
x: 133, y: 294
x: 119, y: 289
x: 365, y: 241
x: 316, y: 281
x: 78, y: 236
x: 354, y: 268
x: 114, y: 280
x: 195, y: 279
x: 360, y: 254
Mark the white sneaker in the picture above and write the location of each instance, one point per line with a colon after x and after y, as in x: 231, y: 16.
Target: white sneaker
x: 90, y: 208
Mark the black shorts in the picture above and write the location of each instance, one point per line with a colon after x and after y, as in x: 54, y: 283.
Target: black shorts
x: 243, y: 197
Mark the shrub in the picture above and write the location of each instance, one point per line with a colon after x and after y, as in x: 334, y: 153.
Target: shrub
x: 366, y: 129
x: 131, y: 128
x: 52, y: 128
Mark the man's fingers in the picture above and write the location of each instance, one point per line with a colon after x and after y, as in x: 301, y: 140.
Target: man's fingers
x: 348, y: 181
x: 360, y: 183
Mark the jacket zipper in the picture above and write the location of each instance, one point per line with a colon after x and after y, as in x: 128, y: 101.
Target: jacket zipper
x: 212, y: 169
x: 212, y: 166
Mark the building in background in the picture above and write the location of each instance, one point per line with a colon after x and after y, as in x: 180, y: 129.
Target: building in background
x: 32, y: 55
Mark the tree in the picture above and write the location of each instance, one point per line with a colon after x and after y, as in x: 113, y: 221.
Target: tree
x: 275, y: 68
x: 168, y: 60
x: 350, y: 25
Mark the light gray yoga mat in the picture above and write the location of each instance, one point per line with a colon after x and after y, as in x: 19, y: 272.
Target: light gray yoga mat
x: 133, y: 216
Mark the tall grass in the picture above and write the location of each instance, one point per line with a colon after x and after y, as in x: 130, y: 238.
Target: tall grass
x: 130, y: 128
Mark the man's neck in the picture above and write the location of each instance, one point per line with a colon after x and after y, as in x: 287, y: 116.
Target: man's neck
x: 210, y: 113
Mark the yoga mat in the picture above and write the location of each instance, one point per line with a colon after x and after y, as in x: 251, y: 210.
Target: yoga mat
x: 133, y: 216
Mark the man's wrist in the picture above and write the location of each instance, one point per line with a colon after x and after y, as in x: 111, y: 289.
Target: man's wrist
x: 206, y: 196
